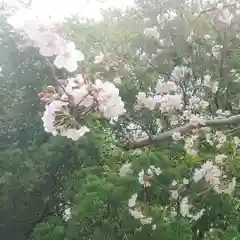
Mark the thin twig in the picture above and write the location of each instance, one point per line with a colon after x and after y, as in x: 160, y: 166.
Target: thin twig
x: 52, y: 68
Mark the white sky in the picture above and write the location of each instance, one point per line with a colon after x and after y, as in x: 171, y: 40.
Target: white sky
x: 84, y: 8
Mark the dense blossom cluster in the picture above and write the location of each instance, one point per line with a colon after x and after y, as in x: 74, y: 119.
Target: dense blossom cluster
x: 52, y: 121
x: 214, y: 176
x: 101, y: 96
x: 144, y: 178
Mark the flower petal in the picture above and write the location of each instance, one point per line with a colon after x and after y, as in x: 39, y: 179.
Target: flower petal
x: 59, y: 61
x: 71, y: 65
x: 79, y: 55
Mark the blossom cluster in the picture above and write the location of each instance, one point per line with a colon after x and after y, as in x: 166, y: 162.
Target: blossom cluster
x: 81, y: 95
x: 136, y: 211
x: 168, y: 98
x: 44, y: 33
x: 164, y: 98
x: 214, y: 176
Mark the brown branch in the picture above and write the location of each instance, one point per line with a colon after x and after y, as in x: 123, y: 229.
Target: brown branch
x: 146, y: 141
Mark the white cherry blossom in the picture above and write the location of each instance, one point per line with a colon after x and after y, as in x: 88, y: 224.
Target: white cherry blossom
x: 179, y: 73
x: 49, y: 44
x: 198, y: 175
x: 174, y: 194
x: 82, y: 97
x: 236, y: 141
x: 146, y: 221
x: 210, y: 83
x: 216, y: 50
x: 74, y: 134
x: 196, y: 103
x: 153, y: 170
x: 220, y: 6
x: 225, y: 17
x: 67, y: 214
x: 169, y: 103
x: 152, y: 32
x: 223, y: 113
x: 144, y: 101
x: 174, y: 183
x: 198, y: 215
x: 162, y: 17
x: 75, y: 82
x: 220, y: 138
x: 196, y: 120
x: 117, y: 80
x: 48, y: 119
x: 176, y: 136
x: 125, y: 169
x: 231, y: 187
x: 185, y: 181
x: 144, y: 179
x: 109, y: 101
x: 17, y: 20
x: 49, y: 115
x: 167, y: 87
x: 50, y: 126
x: 173, y: 213
x: 210, y: 172
x: 158, y: 171
x: 69, y: 57
x: 220, y: 158
x: 185, y: 207
x: 132, y: 200
x: 136, y: 214
x: 99, y: 58
x: 190, y: 143
x: 79, y: 91
x: 192, y: 152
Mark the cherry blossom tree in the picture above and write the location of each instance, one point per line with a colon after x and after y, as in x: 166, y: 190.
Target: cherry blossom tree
x: 189, y: 101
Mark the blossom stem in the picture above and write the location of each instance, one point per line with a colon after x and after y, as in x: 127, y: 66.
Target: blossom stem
x: 52, y: 68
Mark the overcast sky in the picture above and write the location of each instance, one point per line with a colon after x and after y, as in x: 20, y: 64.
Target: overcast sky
x: 85, y: 8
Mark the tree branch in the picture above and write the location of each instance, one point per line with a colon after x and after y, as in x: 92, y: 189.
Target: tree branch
x: 146, y: 141
x: 213, y: 9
